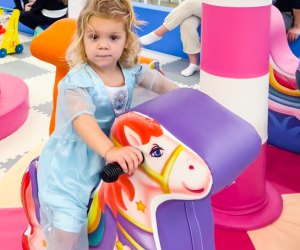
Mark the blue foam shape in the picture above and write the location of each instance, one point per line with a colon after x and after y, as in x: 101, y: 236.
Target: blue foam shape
x: 24, y: 29
x: 295, y: 47
x: 284, y: 131
x: 7, y: 3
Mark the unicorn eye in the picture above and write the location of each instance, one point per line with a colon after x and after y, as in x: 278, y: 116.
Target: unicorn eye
x: 156, y: 151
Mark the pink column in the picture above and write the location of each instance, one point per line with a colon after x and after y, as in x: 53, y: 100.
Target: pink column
x: 234, y: 71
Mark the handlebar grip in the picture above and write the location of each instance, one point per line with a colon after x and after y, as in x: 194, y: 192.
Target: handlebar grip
x: 112, y: 171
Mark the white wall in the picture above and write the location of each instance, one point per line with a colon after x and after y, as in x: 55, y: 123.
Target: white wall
x: 75, y: 7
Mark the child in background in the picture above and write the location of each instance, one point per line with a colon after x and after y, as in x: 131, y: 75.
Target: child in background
x: 20, y: 4
x: 188, y: 15
x: 104, y: 71
x: 37, y: 13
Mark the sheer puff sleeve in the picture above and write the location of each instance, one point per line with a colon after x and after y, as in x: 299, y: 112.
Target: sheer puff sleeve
x: 153, y: 80
x: 73, y: 100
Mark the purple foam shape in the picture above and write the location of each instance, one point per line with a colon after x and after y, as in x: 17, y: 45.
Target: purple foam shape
x: 33, y: 179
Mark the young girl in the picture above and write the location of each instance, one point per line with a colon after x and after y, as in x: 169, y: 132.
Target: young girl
x: 104, y: 70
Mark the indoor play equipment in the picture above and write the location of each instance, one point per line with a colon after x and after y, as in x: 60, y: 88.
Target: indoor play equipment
x: 251, y: 209
x: 282, y: 58
x: 9, y: 37
x: 284, y: 97
x: 241, y: 207
x: 282, y: 166
x: 166, y: 203
x: 14, y: 103
x: 284, y: 114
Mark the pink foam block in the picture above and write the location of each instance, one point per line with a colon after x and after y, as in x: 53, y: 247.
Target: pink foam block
x: 14, y: 104
x: 250, y: 202
x: 12, y: 224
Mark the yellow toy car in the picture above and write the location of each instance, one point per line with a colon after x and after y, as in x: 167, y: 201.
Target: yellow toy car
x: 9, y: 37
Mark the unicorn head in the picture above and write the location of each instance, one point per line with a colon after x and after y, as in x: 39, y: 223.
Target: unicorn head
x: 170, y: 167
x: 170, y: 170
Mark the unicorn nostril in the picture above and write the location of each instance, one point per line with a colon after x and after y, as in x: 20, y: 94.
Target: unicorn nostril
x: 191, y: 167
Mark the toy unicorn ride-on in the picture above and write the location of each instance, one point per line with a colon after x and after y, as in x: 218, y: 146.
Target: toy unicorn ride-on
x: 165, y: 204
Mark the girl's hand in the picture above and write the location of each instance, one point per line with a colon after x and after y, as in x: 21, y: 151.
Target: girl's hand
x: 129, y: 158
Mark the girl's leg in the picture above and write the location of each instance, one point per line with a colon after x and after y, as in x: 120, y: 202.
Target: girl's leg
x: 60, y: 239
x: 63, y: 240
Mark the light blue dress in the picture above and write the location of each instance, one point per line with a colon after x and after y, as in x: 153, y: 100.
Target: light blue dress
x: 68, y: 169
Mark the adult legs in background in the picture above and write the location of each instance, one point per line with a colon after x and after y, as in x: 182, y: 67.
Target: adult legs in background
x: 34, y: 19
x: 288, y: 20
x: 183, y: 11
x: 191, y: 43
x: 20, y: 4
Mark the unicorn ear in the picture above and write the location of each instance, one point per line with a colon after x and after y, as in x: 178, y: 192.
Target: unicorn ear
x: 132, y: 137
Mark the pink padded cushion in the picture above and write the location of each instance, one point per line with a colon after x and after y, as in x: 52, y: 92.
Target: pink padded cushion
x: 280, y: 50
x: 14, y: 104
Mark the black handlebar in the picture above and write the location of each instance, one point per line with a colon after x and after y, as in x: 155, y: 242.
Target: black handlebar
x: 112, y: 171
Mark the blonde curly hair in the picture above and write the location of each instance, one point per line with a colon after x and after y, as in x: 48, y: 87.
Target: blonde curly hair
x: 106, y: 9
